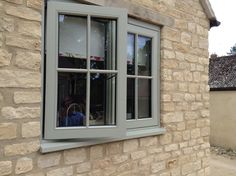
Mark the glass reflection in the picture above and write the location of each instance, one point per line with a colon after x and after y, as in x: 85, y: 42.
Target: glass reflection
x: 130, y: 99
x: 144, y: 98
x: 102, y: 99
x: 144, y: 55
x: 71, y: 99
x: 103, y: 37
x: 131, y: 54
x: 72, y: 41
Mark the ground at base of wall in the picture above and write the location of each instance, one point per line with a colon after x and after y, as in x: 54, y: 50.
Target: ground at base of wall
x: 227, y: 153
x: 222, y: 166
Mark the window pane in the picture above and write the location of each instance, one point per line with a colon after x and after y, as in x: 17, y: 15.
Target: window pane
x: 102, y: 99
x: 71, y: 99
x: 144, y: 98
x: 103, y: 41
x: 72, y: 41
x: 130, y: 99
x: 144, y: 55
x: 131, y: 54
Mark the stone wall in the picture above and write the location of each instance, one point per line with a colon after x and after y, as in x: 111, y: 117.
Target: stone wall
x: 183, y: 150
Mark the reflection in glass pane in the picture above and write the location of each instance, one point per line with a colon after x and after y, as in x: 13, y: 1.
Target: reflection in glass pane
x: 71, y: 99
x: 144, y: 98
x: 144, y: 55
x: 130, y: 99
x: 131, y: 54
x: 102, y: 99
x: 72, y: 41
x: 103, y: 41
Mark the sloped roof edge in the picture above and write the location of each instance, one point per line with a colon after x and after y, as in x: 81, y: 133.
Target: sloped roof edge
x: 210, y: 13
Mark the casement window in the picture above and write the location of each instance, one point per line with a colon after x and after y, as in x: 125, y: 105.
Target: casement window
x: 101, y: 73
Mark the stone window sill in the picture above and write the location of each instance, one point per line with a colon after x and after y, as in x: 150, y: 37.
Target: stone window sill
x: 57, y: 145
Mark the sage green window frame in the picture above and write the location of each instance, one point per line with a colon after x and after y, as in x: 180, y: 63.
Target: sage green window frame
x: 50, y: 110
x: 143, y: 29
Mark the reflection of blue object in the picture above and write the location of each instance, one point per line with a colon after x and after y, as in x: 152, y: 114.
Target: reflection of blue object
x: 75, y: 119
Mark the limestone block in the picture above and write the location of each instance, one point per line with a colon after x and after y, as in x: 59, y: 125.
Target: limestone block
x: 15, y: 1
x: 23, y: 12
x: 75, y: 156
x: 102, y: 163
x: 96, y: 152
x: 49, y: 160
x: 83, y: 167
x: 23, y: 165
x: 27, y: 97
x: 167, y: 54
x: 21, y: 148
x: 37, y: 4
x: 165, y: 97
x: 8, y: 131
x: 1, y: 97
x: 138, y: 154
x: 157, y: 167
x: 22, y: 42
x: 117, y: 159
x: 148, y: 141
x: 20, y: 79
x: 203, y: 43
x: 187, y: 168
x: 170, y: 34
x: 154, y: 150
x: 1, y: 39
x: 63, y: 171
x: 114, y: 148
x: 171, y: 147
x: 189, y: 97
x: 186, y: 135
x: 31, y: 129
x: 166, y: 74
x: 5, y: 168
x: 147, y: 160
x: 192, y: 27
x: 7, y: 24
x: 130, y: 145
x: 186, y: 38
x: 178, y: 76
x: 5, y: 57
x: 29, y: 28
x: 36, y: 174
x: 205, y: 113
x: 205, y: 131
x: 173, y: 117
x: 20, y: 112
x: 165, y: 139
x: 195, y: 133
x: 178, y: 97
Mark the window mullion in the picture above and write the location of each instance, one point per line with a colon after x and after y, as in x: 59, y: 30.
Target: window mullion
x: 88, y: 73
x: 136, y: 79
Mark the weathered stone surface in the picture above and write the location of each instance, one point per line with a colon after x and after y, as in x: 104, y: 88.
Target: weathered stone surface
x: 130, y: 145
x: 23, y: 79
x: 114, y: 148
x: 75, y: 156
x: 186, y: 38
x: 23, y: 165
x: 117, y: 159
x: 148, y: 141
x: 29, y: 28
x: 31, y: 129
x: 1, y: 39
x: 170, y: 34
x: 7, y: 131
x: 21, y: 148
x: 27, y: 97
x: 49, y: 160
x: 63, y: 171
x: 28, y: 60
x: 96, y: 152
x: 84, y: 167
x: 15, y: 1
x: 36, y: 174
x: 5, y: 57
x: 22, y: 42
x: 157, y: 167
x: 173, y: 117
x: 37, y: 4
x: 23, y: 12
x: 138, y: 154
x: 5, y: 168
x: 7, y: 24
x: 20, y: 113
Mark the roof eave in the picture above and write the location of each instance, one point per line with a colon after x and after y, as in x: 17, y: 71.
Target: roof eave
x: 210, y: 13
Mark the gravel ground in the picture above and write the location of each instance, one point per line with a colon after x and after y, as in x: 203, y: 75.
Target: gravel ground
x: 223, y: 162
